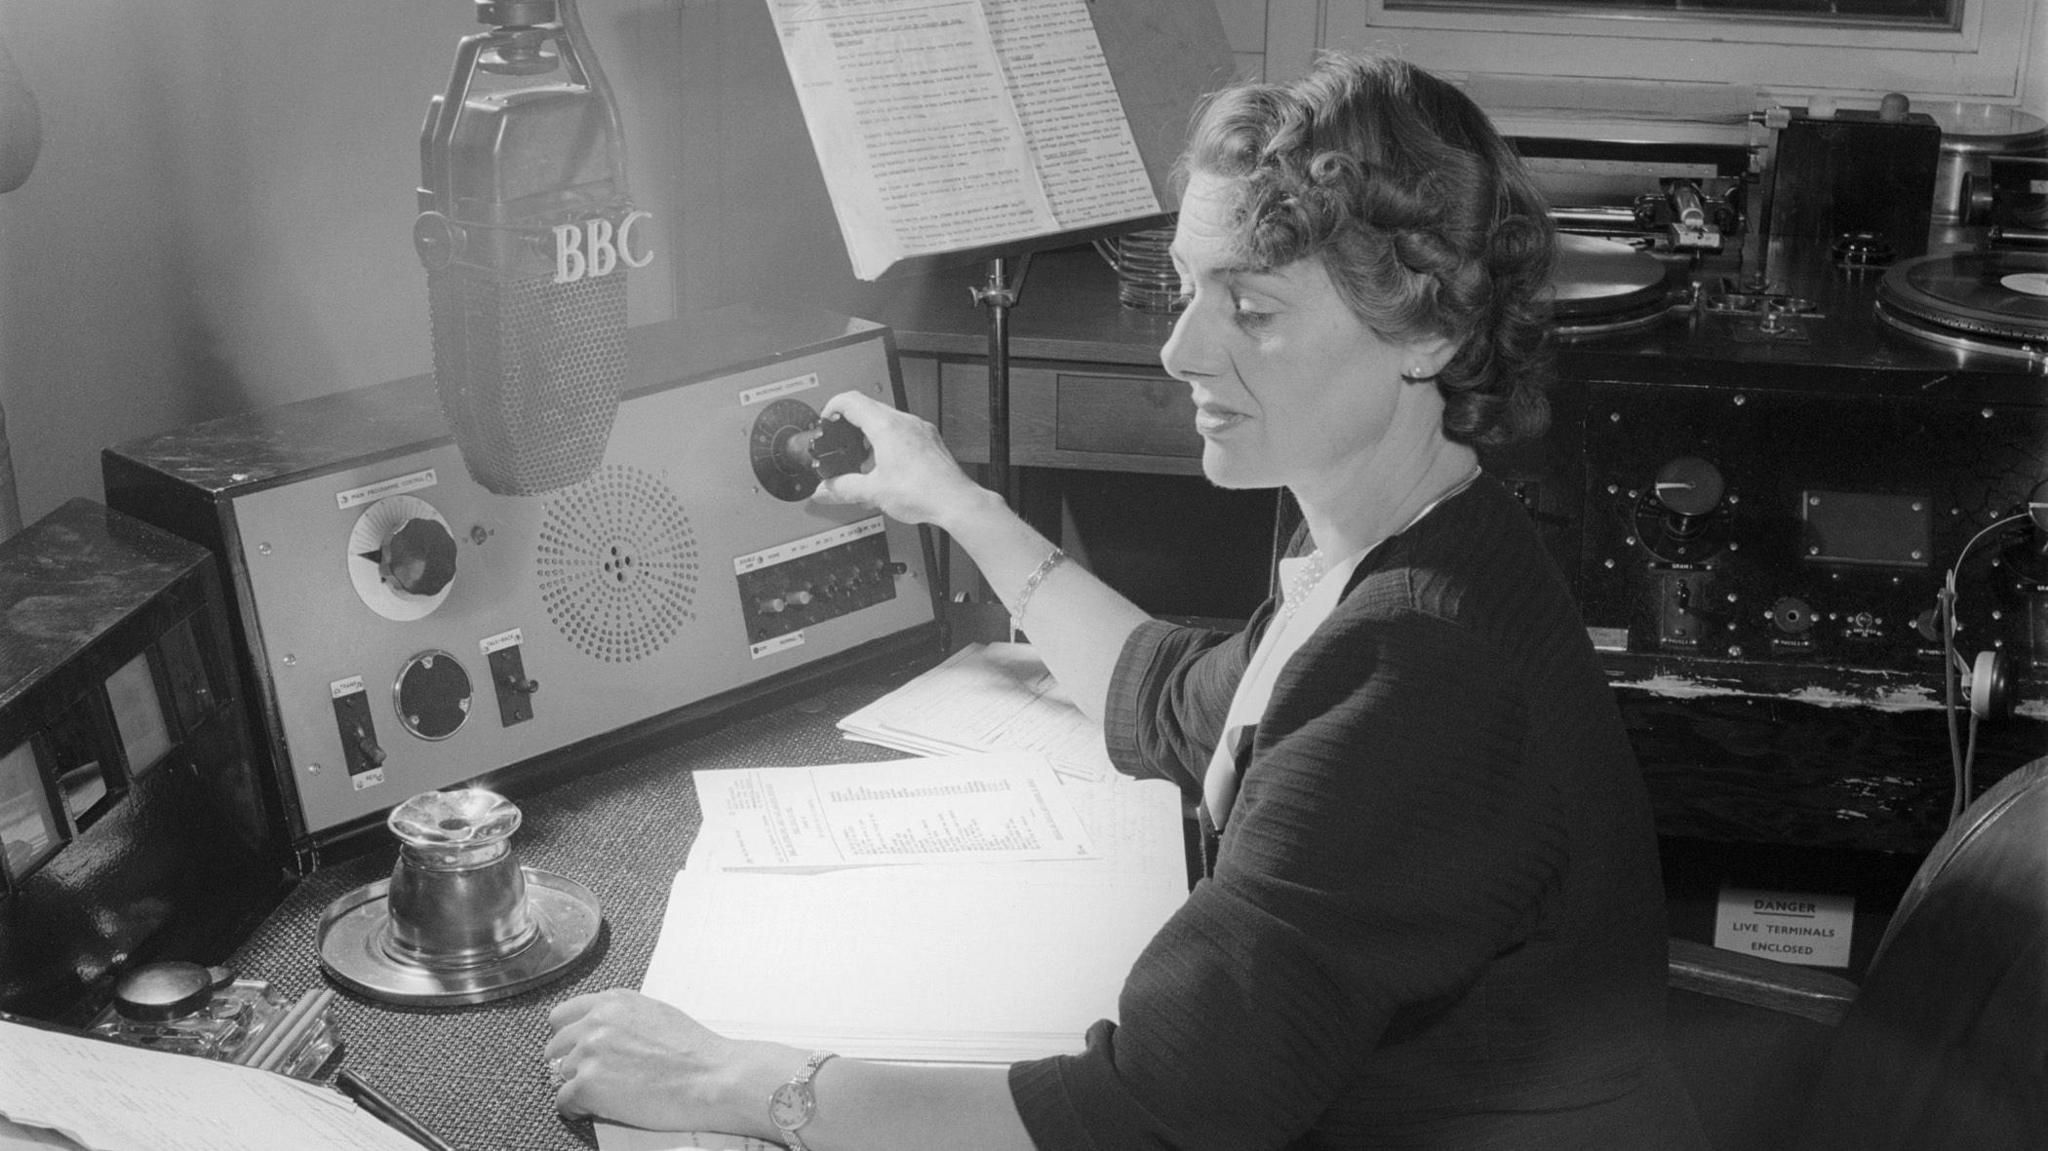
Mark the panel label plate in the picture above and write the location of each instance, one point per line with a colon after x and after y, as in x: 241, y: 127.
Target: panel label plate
x: 396, y: 485
x: 1790, y: 927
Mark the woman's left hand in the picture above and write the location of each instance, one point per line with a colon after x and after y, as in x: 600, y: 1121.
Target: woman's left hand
x: 623, y: 1056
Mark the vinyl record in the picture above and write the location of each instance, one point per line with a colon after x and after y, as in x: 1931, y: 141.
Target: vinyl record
x: 1596, y: 278
x: 2003, y: 295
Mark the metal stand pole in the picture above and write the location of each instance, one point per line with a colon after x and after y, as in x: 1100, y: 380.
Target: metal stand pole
x: 999, y: 294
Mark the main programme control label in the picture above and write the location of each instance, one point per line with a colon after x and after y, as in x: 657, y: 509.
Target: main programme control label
x: 1788, y: 926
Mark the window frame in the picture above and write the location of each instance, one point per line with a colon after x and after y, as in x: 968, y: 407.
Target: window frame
x: 1780, y: 61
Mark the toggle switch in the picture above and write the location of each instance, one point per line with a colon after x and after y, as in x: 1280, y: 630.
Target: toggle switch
x: 510, y: 683
x: 1680, y: 597
x: 359, y: 747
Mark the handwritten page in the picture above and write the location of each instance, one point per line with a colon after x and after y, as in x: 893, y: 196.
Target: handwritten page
x: 996, y: 807
x: 947, y: 125
x: 986, y: 697
x: 112, y: 1097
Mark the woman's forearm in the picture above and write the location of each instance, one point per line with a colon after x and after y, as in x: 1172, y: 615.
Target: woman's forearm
x: 1075, y: 622
x: 867, y: 1106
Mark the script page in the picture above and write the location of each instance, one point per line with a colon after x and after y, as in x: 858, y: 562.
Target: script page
x: 931, y: 961
x: 1067, y: 102
x: 990, y: 808
x: 984, y: 697
x: 111, y: 1097
x: 924, y: 145
x: 942, y: 962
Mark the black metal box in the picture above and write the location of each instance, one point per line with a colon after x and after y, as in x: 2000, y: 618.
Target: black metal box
x: 133, y: 821
x: 1854, y: 172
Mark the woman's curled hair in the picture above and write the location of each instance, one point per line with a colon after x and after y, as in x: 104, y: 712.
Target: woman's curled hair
x: 1421, y: 212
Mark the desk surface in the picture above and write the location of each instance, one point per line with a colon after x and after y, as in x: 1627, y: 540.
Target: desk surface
x: 474, y: 1074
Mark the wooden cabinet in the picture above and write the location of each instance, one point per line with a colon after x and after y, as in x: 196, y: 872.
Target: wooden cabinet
x: 1087, y: 416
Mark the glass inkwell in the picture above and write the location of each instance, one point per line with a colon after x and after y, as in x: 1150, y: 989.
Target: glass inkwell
x: 206, y: 1011
x: 460, y: 920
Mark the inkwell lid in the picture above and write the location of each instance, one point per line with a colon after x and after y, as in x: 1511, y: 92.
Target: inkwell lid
x: 159, y: 992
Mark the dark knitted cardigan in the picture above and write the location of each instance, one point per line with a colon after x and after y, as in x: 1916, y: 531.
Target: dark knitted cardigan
x: 1435, y: 917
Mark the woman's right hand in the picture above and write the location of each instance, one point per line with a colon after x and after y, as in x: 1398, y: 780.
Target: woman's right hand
x: 914, y: 478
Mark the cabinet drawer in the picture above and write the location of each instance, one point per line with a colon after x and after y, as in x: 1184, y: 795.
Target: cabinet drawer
x: 1080, y: 418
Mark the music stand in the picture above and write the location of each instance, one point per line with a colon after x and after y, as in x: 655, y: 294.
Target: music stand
x: 1164, y: 56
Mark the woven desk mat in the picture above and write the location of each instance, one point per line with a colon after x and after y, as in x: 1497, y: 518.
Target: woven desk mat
x: 474, y: 1075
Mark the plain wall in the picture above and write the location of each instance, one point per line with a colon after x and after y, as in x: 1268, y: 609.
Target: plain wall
x: 222, y: 212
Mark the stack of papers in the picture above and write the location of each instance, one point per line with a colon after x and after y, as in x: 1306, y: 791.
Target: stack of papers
x: 986, y: 697
x: 970, y: 909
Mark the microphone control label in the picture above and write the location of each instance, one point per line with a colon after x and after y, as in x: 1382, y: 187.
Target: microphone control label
x: 804, y: 383
x: 396, y: 485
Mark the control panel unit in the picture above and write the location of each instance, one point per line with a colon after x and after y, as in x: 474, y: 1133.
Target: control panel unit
x: 408, y: 630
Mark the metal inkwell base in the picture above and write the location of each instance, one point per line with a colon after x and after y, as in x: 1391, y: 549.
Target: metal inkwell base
x: 460, y: 920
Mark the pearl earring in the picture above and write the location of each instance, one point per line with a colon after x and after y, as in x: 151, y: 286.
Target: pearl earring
x: 1417, y: 377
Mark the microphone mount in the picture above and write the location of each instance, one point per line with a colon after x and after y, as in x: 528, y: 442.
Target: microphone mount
x: 520, y: 31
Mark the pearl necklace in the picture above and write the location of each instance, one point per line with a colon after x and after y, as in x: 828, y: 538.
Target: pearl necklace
x: 1314, y: 567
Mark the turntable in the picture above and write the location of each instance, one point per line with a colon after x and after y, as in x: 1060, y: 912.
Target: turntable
x: 1990, y: 303
x: 1605, y: 287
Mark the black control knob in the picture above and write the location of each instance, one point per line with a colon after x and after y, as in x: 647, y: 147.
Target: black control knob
x: 838, y: 448
x: 1690, y: 486
x: 2037, y: 522
x: 419, y: 557
x: 2026, y: 553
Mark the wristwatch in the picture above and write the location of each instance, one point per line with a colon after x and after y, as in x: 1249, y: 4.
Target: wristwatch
x: 792, y: 1104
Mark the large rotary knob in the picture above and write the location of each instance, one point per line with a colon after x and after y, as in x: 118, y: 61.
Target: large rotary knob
x: 1684, y: 515
x: 1690, y: 486
x: 419, y: 557
x: 401, y: 557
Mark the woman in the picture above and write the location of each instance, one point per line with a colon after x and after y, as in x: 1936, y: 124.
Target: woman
x: 1434, y: 917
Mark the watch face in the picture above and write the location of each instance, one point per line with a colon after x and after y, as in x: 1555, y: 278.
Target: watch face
x: 791, y: 1105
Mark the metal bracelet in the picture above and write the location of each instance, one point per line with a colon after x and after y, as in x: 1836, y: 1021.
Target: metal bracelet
x: 1053, y: 559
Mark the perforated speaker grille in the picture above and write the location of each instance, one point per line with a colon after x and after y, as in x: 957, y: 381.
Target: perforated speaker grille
x: 617, y: 564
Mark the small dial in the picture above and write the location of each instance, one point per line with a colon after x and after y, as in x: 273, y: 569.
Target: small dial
x: 432, y: 695
x: 780, y: 449
x: 1684, y: 516
x: 1690, y: 486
